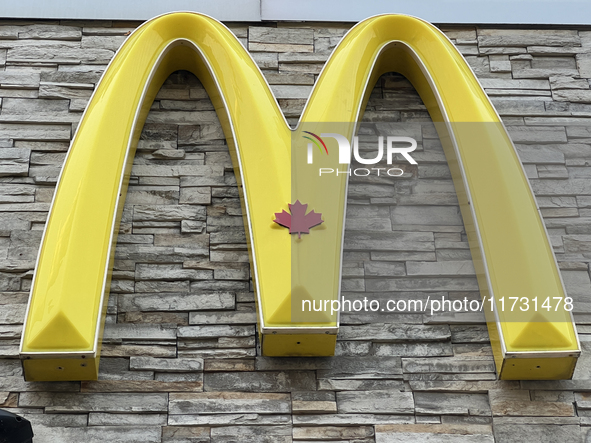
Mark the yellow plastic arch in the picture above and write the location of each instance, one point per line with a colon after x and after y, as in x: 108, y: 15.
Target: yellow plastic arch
x: 62, y: 333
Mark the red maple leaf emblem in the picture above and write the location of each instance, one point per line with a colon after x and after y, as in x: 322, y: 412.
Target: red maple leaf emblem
x: 298, y: 221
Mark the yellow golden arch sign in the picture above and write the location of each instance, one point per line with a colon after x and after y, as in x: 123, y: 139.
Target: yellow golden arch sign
x: 510, y: 247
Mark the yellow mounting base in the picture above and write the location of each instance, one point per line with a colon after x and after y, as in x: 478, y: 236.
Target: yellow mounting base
x: 298, y: 345
x: 61, y: 369
x: 551, y: 368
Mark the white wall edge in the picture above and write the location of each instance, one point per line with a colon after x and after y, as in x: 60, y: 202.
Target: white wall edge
x: 516, y: 12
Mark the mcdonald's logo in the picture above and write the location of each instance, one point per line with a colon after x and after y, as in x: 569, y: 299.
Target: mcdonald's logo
x: 509, y: 244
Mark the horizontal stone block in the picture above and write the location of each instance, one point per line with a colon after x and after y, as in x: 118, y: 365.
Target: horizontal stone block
x: 117, y: 369
x: 229, y: 317
x: 519, y: 403
x: 176, y: 171
x: 518, y: 107
x: 16, y: 383
x: 395, y: 332
x: 54, y: 420
x: 381, y: 241
x: 182, y: 117
x: 8, y: 332
x: 300, y: 36
x: 28, y: 109
x: 421, y: 284
x: 469, y: 334
x: 388, y: 402
x: 10, y: 193
x: 199, y: 196
x: 572, y: 95
x: 186, y: 378
x: 274, y: 78
x: 169, y: 272
x: 73, y: 91
x: 185, y: 241
x: 515, y: 84
x: 22, y: 79
x: 505, y: 433
x: 383, y: 269
x: 426, y: 215
x: 12, y: 314
x: 452, y: 365
x: 352, y: 348
x: 14, y: 161
x: 431, y: 349
x: 254, y: 434
x: 210, y: 181
x: 192, y: 226
x: 577, y: 243
x: 166, y: 364
x: 432, y: 186
x: 212, y: 365
x: 159, y: 254
x: 311, y: 433
x: 9, y: 32
x: 537, y: 134
x: 527, y: 37
x: 260, y: 381
x: 55, y: 159
x: 291, y: 91
x: 102, y: 419
x: 215, y: 331
x: 273, y: 47
x: 128, y: 402
x: 67, y: 79
x: 175, y: 302
x: 141, y: 385
x: 301, y: 68
x: 111, y: 42
x: 552, y: 171
x: 11, y: 283
x: 228, y: 419
x: 229, y: 403
x: 149, y: 349
x: 177, y: 318
x: 303, y: 58
x: 451, y: 403
x: 561, y: 187
x: 139, y: 332
x: 106, y: 30
x: 560, y: 82
x: 476, y: 386
x: 50, y: 32
x: 402, y: 256
x: 265, y: 60
x: 221, y: 285
x: 542, y: 73
x: 99, y: 434
x: 426, y: 433
x: 168, y: 212
x: 58, y: 53
x: 360, y: 191
x: 539, y: 154
x: 550, y: 62
x: 35, y: 132
x: 162, y: 286
x: 152, y: 195
x: 440, y: 268
x: 350, y: 419
x: 313, y: 407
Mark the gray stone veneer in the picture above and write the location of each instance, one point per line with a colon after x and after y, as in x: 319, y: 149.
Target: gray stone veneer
x: 180, y: 361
